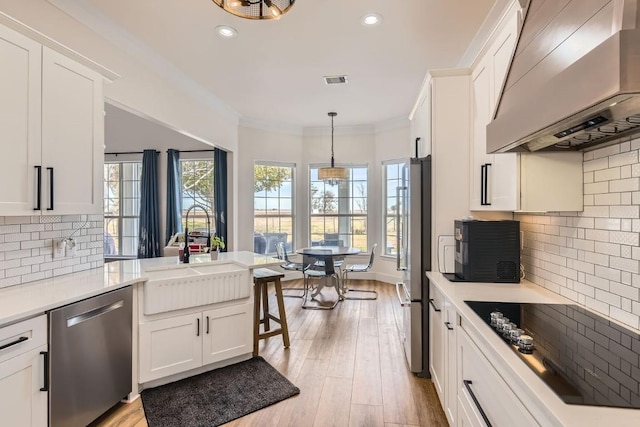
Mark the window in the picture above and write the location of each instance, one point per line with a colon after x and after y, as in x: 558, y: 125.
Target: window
x: 393, y: 180
x: 121, y: 208
x: 339, y: 212
x: 272, y: 207
x: 197, y: 189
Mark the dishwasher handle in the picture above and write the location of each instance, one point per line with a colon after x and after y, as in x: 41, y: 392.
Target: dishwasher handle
x: 75, y: 320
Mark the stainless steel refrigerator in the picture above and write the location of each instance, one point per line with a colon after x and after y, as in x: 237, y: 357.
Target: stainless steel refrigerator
x: 414, y: 259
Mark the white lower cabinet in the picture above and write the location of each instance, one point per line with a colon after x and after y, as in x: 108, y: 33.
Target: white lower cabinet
x: 23, y: 387
x: 483, y: 396
x: 173, y: 344
x: 442, y: 334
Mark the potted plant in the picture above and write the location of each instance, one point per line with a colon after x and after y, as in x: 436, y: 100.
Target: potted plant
x: 216, y: 244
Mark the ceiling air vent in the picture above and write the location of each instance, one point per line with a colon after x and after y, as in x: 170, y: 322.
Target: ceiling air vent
x: 335, y: 80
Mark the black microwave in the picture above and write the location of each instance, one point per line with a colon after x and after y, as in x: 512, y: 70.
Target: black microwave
x: 487, y: 251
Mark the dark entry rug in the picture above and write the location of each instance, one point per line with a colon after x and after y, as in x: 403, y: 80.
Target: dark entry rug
x: 218, y: 396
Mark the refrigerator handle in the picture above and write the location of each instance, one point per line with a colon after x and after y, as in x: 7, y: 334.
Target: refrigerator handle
x: 401, y: 236
x: 404, y: 302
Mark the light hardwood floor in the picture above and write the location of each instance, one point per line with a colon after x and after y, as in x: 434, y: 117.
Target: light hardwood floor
x: 348, y: 363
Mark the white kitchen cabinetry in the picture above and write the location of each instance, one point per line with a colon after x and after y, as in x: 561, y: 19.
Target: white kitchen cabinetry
x: 23, y: 387
x: 498, y: 180
x: 442, y: 345
x: 171, y: 344
x: 72, y: 135
x: 52, y: 123
x: 442, y: 112
x: 484, y: 397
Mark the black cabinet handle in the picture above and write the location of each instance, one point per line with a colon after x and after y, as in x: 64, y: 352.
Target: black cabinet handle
x: 448, y: 325
x: 38, y: 187
x: 484, y: 185
x: 198, y: 327
x: 12, y: 343
x: 50, y: 208
x: 467, y: 384
x: 483, y: 168
x: 433, y: 305
x: 207, y: 325
x: 46, y: 371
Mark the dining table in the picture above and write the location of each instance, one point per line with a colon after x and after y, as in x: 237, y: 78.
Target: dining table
x: 337, y: 252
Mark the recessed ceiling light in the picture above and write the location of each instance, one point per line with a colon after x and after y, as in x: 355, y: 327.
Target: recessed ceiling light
x: 226, y: 32
x: 371, y: 19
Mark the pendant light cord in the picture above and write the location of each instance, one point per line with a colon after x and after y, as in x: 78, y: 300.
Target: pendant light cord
x: 332, y: 161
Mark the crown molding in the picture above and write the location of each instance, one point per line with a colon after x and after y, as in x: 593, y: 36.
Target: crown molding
x: 111, y: 31
x: 340, y: 130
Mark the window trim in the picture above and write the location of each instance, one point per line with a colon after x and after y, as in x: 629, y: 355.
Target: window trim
x: 120, y: 217
x: 384, y: 215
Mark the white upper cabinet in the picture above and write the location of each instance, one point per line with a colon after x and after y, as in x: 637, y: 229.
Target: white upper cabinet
x: 20, y: 110
x: 72, y: 135
x: 497, y: 179
x: 52, y: 127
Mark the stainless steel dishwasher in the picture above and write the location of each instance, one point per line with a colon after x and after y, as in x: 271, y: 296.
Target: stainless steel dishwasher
x: 89, y: 357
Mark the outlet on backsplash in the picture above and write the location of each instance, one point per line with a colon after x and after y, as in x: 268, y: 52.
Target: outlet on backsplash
x: 59, y: 248
x: 71, y: 247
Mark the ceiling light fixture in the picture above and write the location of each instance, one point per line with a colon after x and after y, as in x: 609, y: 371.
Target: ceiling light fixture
x: 226, y: 31
x: 333, y: 175
x: 371, y: 19
x: 256, y: 9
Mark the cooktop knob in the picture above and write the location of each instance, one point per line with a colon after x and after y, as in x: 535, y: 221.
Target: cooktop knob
x: 507, y: 328
x: 514, y: 334
x: 495, y: 315
x: 525, y: 344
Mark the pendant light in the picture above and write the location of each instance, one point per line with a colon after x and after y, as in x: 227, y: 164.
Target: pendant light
x: 256, y: 9
x: 333, y: 175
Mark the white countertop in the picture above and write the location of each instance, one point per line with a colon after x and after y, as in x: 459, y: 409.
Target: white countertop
x: 524, y: 382
x: 31, y: 299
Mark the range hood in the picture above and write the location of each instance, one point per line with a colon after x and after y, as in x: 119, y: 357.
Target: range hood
x: 574, y: 78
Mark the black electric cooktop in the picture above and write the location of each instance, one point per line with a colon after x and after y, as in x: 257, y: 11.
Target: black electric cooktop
x: 584, y: 358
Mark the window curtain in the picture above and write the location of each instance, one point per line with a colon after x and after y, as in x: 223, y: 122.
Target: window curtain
x: 149, y: 231
x: 174, y: 201
x: 220, y: 192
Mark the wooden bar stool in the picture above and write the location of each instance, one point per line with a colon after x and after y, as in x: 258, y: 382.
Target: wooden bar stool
x: 261, y: 279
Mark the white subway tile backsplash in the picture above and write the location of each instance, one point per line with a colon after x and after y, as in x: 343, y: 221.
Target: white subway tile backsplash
x: 26, y: 246
x: 607, y: 199
x: 597, y: 188
x: 596, y: 164
x: 611, y: 150
x: 601, y: 251
x: 628, y: 158
x: 624, y: 237
x: 619, y: 185
x: 606, y: 174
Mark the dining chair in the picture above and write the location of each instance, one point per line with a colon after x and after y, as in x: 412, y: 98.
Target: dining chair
x: 359, y: 268
x: 323, y: 274
x: 281, y: 252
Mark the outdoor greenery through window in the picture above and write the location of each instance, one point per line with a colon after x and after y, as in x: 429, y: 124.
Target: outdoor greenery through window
x: 272, y: 207
x: 121, y: 208
x: 197, y: 189
x: 393, y: 180
x: 339, y: 212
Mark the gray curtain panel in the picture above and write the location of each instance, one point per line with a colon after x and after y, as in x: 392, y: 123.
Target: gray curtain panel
x: 220, y: 192
x: 174, y: 201
x: 149, y: 231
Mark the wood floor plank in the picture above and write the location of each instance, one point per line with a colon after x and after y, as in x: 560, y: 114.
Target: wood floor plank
x: 397, y: 394
x: 367, y: 384
x: 366, y: 416
x: 334, y: 405
x: 348, y: 363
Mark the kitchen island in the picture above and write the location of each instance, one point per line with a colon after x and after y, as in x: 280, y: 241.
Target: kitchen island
x: 475, y: 349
